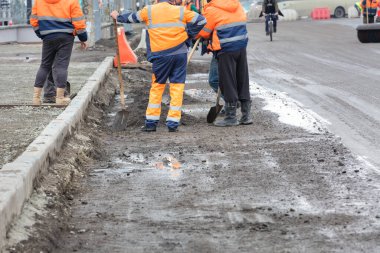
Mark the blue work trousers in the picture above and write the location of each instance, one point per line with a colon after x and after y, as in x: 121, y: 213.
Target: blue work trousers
x: 274, y: 18
x: 213, y: 76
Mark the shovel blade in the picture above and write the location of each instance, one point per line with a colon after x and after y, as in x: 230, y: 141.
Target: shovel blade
x: 120, y: 122
x: 213, y: 113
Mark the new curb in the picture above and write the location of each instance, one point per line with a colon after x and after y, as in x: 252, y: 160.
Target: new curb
x: 17, y: 178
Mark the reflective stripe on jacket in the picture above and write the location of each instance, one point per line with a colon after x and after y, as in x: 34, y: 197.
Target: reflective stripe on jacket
x: 372, y: 7
x: 58, y: 16
x: 226, y: 21
x: 358, y: 6
x: 168, y: 26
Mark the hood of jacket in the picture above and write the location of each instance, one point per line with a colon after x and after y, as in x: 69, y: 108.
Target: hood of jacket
x: 52, y: 1
x: 226, y: 5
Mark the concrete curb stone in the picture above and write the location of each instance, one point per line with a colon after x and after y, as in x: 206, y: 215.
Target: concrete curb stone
x: 17, y: 178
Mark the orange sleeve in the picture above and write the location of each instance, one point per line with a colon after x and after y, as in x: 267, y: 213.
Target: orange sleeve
x: 143, y: 15
x: 34, y: 17
x: 77, y: 17
x: 210, y: 25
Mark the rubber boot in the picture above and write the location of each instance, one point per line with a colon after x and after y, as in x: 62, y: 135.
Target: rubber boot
x: 246, y: 117
x: 230, y: 118
x: 60, y: 98
x: 37, y: 96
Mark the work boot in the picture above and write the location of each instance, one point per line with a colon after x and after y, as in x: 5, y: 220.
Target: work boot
x: 37, y: 96
x: 230, y: 118
x: 60, y: 97
x: 246, y: 117
x: 172, y: 129
x: 49, y: 100
x: 275, y: 29
x: 148, y: 128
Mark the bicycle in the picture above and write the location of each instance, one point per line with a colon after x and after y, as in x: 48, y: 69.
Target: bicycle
x: 271, y: 16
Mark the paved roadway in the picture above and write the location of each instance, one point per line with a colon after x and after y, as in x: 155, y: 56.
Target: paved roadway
x: 323, y: 65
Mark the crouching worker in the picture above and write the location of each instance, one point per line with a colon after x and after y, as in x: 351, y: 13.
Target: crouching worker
x: 56, y: 22
x: 169, y: 26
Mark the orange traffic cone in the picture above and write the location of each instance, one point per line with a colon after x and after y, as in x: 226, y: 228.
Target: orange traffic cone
x: 126, y: 53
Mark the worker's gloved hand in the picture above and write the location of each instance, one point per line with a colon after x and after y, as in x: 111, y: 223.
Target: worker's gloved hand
x: 204, y: 49
x: 188, y: 43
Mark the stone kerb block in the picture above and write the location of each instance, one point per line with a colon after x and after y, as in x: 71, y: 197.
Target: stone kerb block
x: 17, y: 178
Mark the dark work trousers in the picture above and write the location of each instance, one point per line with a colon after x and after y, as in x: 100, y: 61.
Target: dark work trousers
x: 371, y: 19
x: 234, y: 76
x: 274, y: 19
x: 56, y: 55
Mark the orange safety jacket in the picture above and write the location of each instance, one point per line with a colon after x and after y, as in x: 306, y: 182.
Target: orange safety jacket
x: 50, y: 18
x: 372, y: 7
x: 226, y: 25
x: 168, y: 26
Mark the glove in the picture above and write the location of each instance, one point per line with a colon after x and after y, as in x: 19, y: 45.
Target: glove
x: 204, y: 49
x: 193, y: 43
x: 188, y: 43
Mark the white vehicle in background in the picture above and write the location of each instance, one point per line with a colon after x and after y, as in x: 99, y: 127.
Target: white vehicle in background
x: 338, y: 8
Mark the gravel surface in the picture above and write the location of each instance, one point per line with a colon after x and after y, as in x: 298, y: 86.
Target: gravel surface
x: 18, y: 66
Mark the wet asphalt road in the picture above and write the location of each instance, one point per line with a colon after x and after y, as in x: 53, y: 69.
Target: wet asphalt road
x: 323, y: 65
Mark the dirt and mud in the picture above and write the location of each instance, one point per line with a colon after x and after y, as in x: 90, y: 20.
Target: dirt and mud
x: 267, y: 187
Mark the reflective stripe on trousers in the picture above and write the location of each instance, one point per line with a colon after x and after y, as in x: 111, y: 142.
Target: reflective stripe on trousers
x: 153, y: 110
x: 176, y: 100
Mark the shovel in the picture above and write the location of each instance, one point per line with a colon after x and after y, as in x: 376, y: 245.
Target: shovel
x: 120, y: 122
x: 193, y: 50
x: 215, y: 110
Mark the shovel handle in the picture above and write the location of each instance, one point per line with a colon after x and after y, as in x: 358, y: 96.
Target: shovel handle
x: 122, y: 98
x: 193, y: 50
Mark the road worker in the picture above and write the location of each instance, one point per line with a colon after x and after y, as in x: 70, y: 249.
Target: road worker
x: 370, y: 6
x: 169, y: 26
x: 358, y: 8
x: 191, y: 6
x: 226, y: 26
x: 56, y: 22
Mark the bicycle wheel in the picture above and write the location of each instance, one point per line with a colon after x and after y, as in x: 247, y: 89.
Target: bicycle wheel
x: 271, y: 30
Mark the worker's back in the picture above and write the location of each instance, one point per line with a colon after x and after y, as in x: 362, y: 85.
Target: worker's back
x: 53, y: 17
x: 228, y: 19
x: 166, y: 25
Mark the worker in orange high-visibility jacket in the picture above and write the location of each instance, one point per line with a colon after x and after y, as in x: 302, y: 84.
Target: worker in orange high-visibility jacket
x: 56, y: 22
x: 168, y: 28
x: 226, y: 27
x: 370, y: 6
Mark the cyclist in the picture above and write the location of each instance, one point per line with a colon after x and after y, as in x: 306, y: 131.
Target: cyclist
x: 270, y: 7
